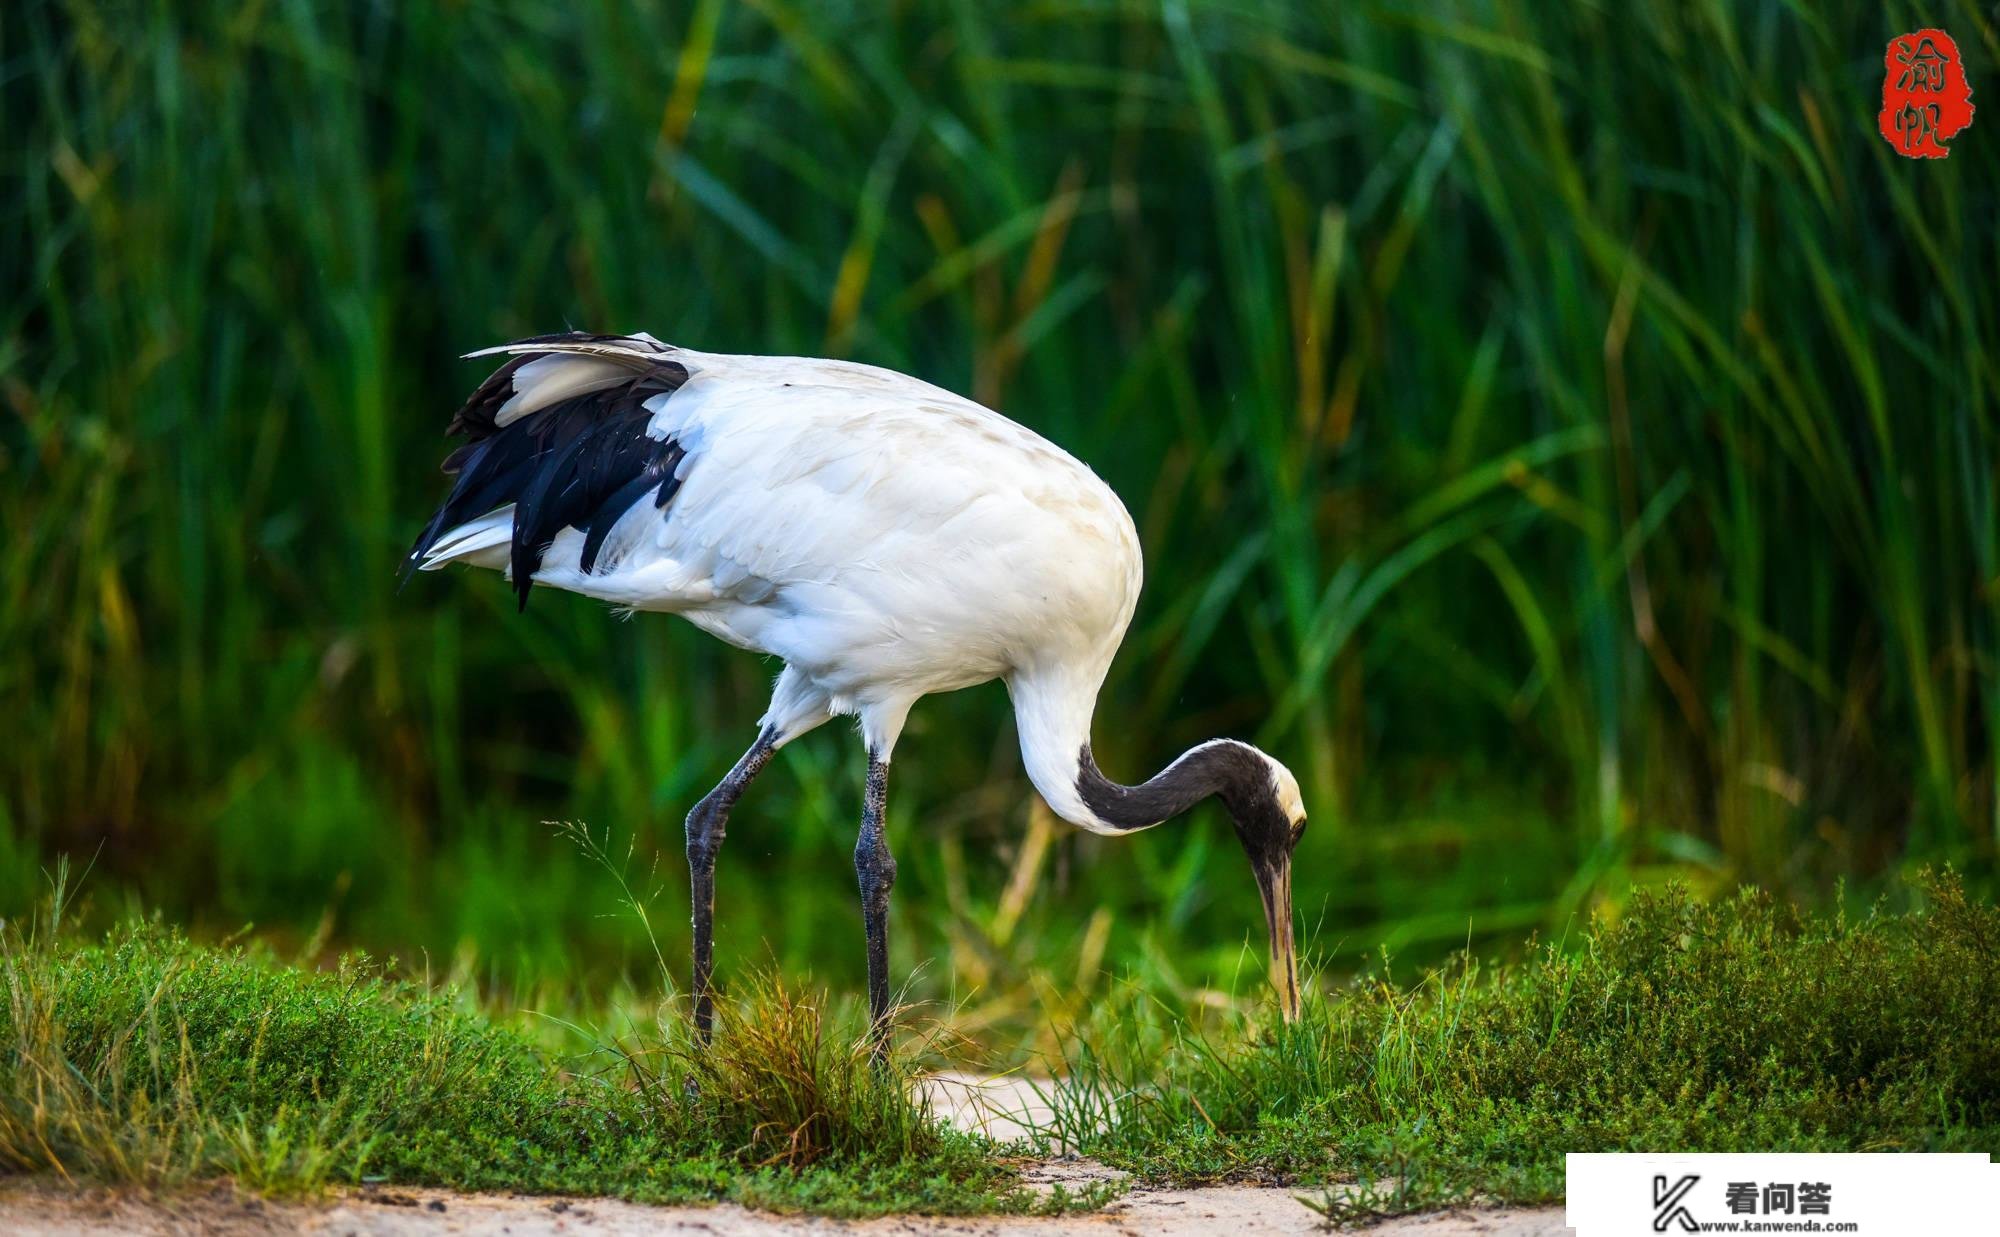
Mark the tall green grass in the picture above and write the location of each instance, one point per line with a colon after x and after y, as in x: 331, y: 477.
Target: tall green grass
x: 1563, y: 433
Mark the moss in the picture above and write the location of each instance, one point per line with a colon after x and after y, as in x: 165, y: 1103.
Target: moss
x: 146, y: 1058
x: 1679, y: 1026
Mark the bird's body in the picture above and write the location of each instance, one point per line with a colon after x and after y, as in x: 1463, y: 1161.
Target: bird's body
x: 885, y: 538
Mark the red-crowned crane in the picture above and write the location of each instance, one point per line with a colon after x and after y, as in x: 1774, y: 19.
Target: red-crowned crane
x: 885, y: 538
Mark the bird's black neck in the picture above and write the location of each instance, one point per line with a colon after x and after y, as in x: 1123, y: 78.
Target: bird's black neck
x: 1221, y: 767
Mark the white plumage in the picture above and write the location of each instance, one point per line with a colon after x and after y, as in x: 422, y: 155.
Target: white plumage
x: 885, y: 538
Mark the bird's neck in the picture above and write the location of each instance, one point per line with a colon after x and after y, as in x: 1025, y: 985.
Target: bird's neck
x: 1053, y: 711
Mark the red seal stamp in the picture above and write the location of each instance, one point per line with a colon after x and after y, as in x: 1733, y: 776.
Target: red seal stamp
x: 1925, y: 97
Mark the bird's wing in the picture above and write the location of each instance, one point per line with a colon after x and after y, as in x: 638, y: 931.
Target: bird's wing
x: 879, y: 510
x: 561, y: 434
x: 801, y: 468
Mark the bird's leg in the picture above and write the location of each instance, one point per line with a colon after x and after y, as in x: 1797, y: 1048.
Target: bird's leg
x: 877, y: 870
x: 705, y: 827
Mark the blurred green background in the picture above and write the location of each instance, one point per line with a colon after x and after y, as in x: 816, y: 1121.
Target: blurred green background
x: 1563, y: 432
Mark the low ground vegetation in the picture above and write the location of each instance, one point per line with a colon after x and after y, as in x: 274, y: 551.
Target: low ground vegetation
x: 1727, y: 1025
x: 147, y: 1058
x: 144, y: 1057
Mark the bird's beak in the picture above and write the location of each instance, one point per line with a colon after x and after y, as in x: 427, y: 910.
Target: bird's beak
x: 1268, y: 842
x: 1274, y: 883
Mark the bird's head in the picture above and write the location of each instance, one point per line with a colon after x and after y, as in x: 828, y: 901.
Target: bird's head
x: 1262, y: 800
x: 1264, y: 803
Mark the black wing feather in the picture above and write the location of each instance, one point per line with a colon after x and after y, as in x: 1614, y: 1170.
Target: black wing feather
x: 581, y: 463
x: 657, y: 474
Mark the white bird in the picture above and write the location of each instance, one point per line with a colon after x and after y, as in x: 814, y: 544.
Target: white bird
x: 883, y: 537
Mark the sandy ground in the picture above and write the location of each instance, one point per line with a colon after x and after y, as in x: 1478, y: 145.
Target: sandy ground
x: 1245, y: 1210
x: 1004, y: 1108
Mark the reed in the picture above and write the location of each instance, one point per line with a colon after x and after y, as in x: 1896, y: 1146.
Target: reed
x: 1565, y: 434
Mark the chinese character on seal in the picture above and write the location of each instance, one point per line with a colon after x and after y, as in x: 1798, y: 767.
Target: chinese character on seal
x: 1926, y: 98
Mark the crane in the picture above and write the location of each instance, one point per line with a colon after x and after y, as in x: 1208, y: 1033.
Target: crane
x: 883, y: 537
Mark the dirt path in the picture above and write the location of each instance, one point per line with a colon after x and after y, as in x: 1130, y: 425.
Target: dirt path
x: 1004, y: 1108
x: 1233, y: 1210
